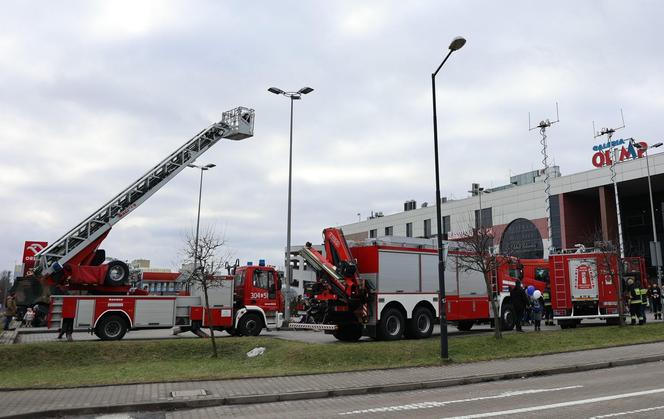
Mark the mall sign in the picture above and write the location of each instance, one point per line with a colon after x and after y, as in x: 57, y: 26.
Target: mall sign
x: 626, y: 151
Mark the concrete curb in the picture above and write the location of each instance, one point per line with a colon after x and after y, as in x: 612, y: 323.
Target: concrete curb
x: 8, y: 337
x: 206, y: 401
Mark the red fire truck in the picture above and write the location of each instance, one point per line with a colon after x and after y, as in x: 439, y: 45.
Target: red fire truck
x: 389, y: 287
x: 241, y: 304
x: 584, y: 285
x: 74, y: 263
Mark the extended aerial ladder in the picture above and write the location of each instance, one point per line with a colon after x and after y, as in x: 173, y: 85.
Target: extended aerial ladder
x: 75, y: 257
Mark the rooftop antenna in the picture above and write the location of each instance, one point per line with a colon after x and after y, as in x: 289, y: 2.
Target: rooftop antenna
x: 543, y: 125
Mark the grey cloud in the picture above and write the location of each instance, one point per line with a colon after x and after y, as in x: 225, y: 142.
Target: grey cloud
x: 84, y: 113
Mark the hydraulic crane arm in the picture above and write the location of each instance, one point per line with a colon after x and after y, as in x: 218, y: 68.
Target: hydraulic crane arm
x: 338, y: 265
x: 80, y: 243
x: 318, y: 262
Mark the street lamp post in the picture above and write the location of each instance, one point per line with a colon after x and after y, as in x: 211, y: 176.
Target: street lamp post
x: 479, y: 191
x: 287, y: 266
x: 652, y: 209
x: 198, y: 217
x: 456, y: 44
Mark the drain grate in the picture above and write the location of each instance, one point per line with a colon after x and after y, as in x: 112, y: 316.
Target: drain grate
x: 189, y: 393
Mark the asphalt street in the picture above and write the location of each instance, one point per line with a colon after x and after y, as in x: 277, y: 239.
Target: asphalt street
x: 307, y: 336
x: 630, y: 392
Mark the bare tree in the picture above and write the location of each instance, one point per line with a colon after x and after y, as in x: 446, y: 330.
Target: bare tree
x: 5, y: 284
x: 207, y: 261
x: 477, y: 253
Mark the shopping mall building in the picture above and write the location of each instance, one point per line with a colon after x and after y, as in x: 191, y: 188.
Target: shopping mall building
x: 583, y: 209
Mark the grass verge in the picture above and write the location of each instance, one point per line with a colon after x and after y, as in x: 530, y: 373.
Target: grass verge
x: 58, y: 364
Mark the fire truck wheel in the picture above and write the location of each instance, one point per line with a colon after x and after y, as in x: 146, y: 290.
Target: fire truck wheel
x: 349, y: 332
x: 391, y: 325
x: 507, y: 317
x: 421, y: 325
x: 112, y: 327
x: 465, y: 325
x: 117, y: 274
x: 568, y: 324
x: 250, y: 325
x: 613, y: 321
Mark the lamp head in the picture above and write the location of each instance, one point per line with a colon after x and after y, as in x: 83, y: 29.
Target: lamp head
x: 457, y: 43
x: 210, y: 166
x: 305, y: 90
x: 275, y: 90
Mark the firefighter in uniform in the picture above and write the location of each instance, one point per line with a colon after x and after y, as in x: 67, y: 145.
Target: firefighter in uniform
x: 548, y: 308
x: 634, y: 301
x: 644, y: 299
x: 655, y: 294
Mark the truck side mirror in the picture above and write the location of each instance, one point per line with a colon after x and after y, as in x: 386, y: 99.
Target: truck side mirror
x: 279, y: 283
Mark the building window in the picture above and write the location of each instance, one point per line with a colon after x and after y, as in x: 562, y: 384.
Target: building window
x: 446, y: 224
x: 427, y: 228
x: 486, y: 218
x: 409, y: 229
x: 389, y: 231
x: 373, y: 233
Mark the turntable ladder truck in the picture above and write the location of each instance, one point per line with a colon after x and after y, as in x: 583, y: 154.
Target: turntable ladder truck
x: 75, y: 260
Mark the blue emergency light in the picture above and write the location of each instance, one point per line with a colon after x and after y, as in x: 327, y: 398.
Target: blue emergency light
x: 261, y: 262
x: 250, y: 263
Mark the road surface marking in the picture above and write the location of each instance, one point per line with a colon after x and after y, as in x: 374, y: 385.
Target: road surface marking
x: 558, y: 405
x: 630, y: 412
x: 429, y: 405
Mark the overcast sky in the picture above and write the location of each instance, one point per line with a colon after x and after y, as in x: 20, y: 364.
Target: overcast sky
x: 93, y: 94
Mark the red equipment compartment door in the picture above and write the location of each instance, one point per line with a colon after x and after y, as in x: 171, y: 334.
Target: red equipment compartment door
x: 221, y: 317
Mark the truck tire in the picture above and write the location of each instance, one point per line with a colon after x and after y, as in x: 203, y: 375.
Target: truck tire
x: 111, y: 327
x: 351, y: 332
x: 391, y: 325
x: 507, y: 317
x: 421, y: 325
x: 117, y: 274
x: 568, y: 324
x: 465, y: 325
x: 250, y: 325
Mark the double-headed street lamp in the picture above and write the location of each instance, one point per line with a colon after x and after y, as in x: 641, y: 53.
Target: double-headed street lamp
x: 479, y: 191
x: 456, y: 44
x: 656, y: 254
x: 198, y: 217
x: 287, y: 266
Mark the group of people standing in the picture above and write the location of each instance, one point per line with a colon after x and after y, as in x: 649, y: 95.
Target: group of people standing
x: 531, y: 305
x: 640, y: 298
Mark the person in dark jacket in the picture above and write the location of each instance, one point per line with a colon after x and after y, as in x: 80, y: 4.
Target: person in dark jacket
x: 655, y: 295
x: 519, y: 302
x: 548, y: 308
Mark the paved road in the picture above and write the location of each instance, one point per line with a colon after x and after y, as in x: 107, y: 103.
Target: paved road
x: 308, y: 336
x: 629, y: 392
